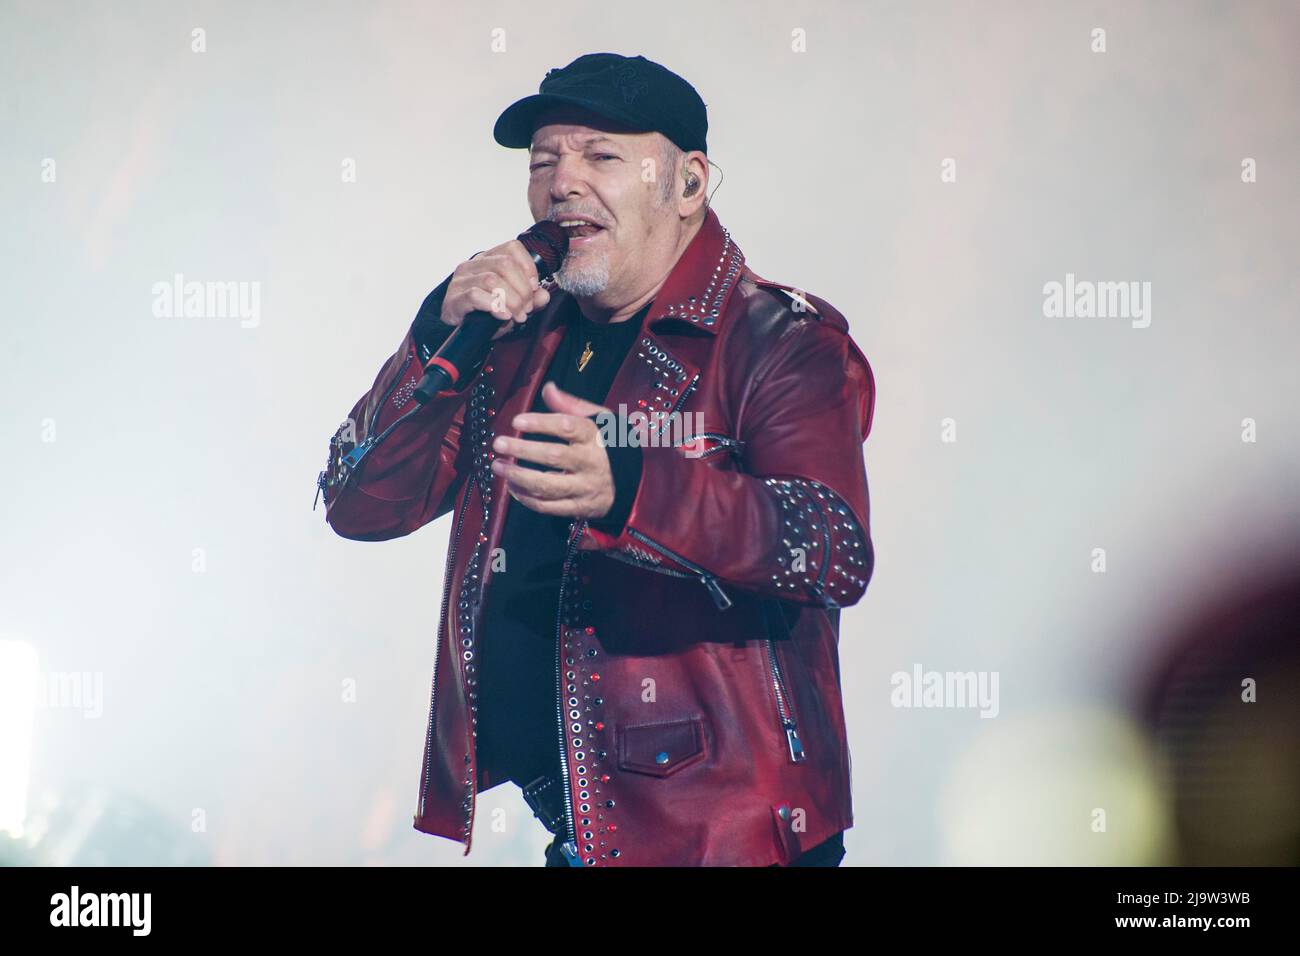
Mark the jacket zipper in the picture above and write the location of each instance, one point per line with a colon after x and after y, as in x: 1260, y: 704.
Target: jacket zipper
x: 709, y: 581
x: 356, y: 454
x: 643, y: 563
x: 446, y: 597
x: 353, y: 458
x: 819, y: 588
x: 410, y: 356
x: 569, y: 848
x: 783, y: 710
x: 725, y: 443
x: 320, y: 479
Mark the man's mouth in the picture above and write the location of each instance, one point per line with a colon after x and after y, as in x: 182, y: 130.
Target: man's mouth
x: 580, y: 230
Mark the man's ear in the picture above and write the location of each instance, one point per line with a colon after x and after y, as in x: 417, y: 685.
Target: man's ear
x: 695, y: 184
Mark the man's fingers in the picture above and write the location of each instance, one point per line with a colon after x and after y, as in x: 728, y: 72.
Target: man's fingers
x: 549, y: 453
x: 569, y: 427
x: 502, y: 278
x: 519, y: 254
x: 483, y: 300
x: 549, y: 486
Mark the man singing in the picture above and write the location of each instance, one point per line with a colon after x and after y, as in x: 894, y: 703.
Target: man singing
x: 641, y: 634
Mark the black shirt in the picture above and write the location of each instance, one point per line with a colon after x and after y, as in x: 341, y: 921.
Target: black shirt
x: 518, y: 734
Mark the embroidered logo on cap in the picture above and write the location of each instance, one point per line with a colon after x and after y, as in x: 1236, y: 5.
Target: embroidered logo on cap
x: 629, y: 81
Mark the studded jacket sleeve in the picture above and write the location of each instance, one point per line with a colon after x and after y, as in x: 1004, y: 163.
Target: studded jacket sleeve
x: 788, y: 516
x: 395, y: 465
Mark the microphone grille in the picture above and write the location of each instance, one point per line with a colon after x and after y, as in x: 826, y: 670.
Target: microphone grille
x: 547, y: 241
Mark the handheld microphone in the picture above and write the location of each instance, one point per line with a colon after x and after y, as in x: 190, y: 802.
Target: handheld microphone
x: 465, y: 348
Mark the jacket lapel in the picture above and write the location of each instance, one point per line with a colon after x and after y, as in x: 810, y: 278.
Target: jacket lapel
x: 520, y: 367
x: 657, y: 373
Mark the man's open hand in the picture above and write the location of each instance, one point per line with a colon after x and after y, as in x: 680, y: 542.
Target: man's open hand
x: 584, y: 485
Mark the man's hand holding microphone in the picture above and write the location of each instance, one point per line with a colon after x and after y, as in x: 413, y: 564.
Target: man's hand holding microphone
x: 502, y: 281
x: 489, y: 295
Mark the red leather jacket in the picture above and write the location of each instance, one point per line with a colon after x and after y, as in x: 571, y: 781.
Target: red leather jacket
x: 697, y: 666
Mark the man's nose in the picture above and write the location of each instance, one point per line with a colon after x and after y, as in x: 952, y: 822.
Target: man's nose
x: 567, y: 180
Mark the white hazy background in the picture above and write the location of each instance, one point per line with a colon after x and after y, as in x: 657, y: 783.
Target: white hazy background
x: 222, y: 690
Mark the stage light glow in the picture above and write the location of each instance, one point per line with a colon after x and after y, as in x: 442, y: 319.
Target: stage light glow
x: 1069, y: 787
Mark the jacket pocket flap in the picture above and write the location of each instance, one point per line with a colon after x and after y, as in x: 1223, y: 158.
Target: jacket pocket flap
x: 662, y: 748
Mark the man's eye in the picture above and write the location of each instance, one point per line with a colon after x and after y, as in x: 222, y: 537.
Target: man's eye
x: 537, y: 166
x: 606, y: 156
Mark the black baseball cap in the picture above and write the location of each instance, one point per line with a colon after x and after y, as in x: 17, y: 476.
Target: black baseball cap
x: 631, y: 90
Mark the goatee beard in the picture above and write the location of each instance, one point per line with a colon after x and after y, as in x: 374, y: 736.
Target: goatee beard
x: 584, y: 277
